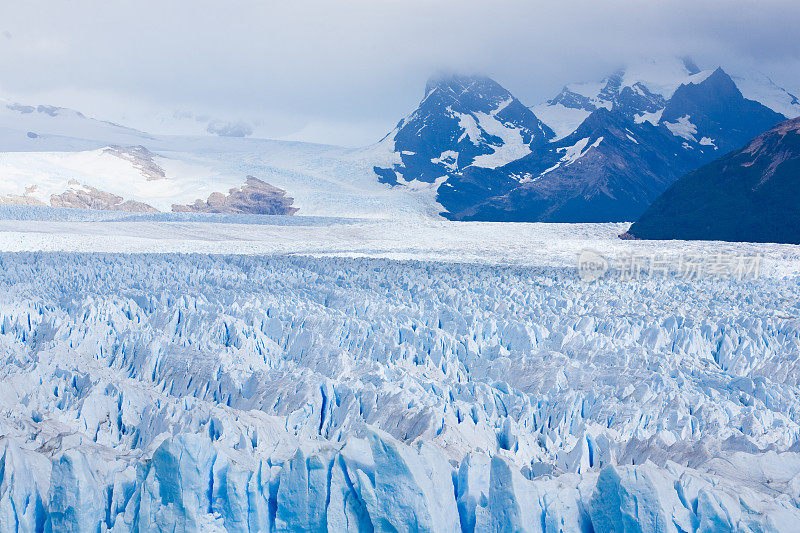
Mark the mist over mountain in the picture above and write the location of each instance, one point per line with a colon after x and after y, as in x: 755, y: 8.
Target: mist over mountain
x: 357, y: 68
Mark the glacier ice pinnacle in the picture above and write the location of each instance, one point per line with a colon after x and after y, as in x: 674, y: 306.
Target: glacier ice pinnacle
x: 269, y: 393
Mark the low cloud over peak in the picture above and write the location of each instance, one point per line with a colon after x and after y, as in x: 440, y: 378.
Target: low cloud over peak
x: 289, y: 66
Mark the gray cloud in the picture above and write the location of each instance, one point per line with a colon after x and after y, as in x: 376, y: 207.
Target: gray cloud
x: 347, y: 70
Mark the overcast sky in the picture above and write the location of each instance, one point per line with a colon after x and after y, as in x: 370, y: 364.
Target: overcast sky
x: 344, y: 72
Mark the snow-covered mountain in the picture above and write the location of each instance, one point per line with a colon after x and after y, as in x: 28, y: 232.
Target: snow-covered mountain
x: 615, y: 146
x: 614, y: 165
x: 643, y: 90
x: 608, y: 169
x: 471, y: 150
x: 462, y: 121
x: 715, y: 114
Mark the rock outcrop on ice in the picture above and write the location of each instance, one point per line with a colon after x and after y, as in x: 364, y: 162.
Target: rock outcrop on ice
x: 82, y: 196
x: 255, y: 197
x: 199, y: 393
x: 79, y: 196
x: 141, y: 158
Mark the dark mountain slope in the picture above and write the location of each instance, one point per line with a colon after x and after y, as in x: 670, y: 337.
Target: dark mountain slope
x: 716, y: 111
x: 610, y: 169
x: 751, y: 195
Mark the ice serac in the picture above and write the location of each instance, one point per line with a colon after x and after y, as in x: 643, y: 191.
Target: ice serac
x: 24, y: 482
x: 413, y: 488
x: 626, y: 500
x: 77, y: 499
x: 747, y: 195
x: 238, y: 393
x: 473, y: 484
x: 176, y: 487
x: 302, y: 494
x: 351, y: 469
x: 515, y: 504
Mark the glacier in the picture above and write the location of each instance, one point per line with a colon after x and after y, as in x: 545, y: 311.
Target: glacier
x: 192, y: 392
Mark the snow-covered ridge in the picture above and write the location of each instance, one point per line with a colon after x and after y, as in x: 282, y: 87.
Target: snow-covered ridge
x: 565, y: 112
x: 563, y: 120
x: 472, y: 116
x: 264, y: 393
x: 21, y: 125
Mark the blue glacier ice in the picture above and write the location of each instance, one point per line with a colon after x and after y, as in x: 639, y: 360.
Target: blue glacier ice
x: 270, y: 393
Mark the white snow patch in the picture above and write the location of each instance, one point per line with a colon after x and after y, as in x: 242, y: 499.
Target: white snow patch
x: 512, y: 148
x: 448, y: 158
x: 707, y: 141
x: 596, y: 143
x: 700, y: 77
x: 683, y: 128
x: 469, y: 125
x: 502, y: 105
x: 562, y: 120
x: 572, y: 154
x: 653, y: 118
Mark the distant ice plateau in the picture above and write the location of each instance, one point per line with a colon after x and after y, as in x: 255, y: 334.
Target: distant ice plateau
x: 315, y: 382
